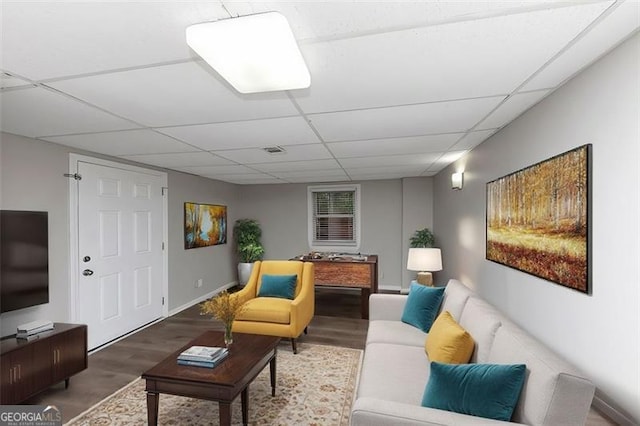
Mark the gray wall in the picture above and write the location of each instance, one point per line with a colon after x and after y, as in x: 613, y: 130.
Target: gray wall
x: 598, y: 332
x: 385, y: 205
x: 31, y: 179
x: 215, y: 265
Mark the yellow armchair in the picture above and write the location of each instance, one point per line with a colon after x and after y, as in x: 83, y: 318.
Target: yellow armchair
x: 275, y: 316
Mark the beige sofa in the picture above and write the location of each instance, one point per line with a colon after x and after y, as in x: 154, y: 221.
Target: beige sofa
x: 395, y: 367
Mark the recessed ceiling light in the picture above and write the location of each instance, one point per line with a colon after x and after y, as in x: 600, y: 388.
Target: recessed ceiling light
x: 254, y: 53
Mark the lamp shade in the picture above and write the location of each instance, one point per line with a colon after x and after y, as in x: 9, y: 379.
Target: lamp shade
x: 424, y: 259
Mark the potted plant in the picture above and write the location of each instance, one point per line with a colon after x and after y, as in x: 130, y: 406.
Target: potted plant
x: 247, y: 234
x: 422, y: 238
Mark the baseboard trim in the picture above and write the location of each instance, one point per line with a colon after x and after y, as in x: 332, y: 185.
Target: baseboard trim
x: 202, y: 298
x: 612, y: 412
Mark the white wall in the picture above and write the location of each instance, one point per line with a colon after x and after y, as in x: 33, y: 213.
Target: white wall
x: 31, y: 178
x: 599, y: 333
x: 215, y: 265
x: 282, y: 213
x: 417, y: 213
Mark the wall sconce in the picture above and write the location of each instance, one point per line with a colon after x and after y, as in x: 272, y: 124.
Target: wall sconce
x: 456, y: 180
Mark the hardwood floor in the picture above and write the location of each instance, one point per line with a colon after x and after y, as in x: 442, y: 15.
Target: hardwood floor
x: 337, y: 322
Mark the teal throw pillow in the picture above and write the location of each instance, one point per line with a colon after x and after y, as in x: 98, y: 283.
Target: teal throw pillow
x: 282, y: 286
x: 422, y: 306
x: 484, y: 390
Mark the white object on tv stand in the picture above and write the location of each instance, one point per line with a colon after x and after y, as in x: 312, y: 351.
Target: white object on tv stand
x: 38, y: 325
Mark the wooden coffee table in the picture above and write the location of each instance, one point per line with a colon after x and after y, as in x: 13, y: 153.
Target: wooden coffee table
x: 248, y: 356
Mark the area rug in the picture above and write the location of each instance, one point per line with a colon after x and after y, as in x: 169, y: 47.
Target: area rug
x: 313, y: 387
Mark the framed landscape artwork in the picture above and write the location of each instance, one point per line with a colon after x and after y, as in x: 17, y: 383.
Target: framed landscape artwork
x: 538, y: 219
x: 204, y: 225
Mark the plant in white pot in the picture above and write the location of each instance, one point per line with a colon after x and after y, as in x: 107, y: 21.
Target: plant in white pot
x: 247, y: 234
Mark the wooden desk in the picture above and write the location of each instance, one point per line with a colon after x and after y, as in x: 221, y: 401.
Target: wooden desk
x: 346, y: 272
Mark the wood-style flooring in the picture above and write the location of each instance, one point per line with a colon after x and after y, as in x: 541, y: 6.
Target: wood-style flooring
x: 336, y: 322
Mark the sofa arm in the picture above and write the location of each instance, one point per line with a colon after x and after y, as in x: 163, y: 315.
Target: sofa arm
x: 386, y: 307
x: 377, y: 412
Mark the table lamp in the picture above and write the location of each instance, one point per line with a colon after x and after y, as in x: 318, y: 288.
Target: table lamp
x: 424, y: 260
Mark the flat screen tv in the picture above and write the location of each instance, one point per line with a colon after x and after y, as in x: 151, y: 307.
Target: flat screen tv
x: 24, y: 259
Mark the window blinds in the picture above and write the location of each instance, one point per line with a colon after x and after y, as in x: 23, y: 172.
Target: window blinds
x: 334, y: 217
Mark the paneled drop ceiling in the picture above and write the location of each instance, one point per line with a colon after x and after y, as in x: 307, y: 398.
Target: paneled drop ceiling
x: 398, y: 89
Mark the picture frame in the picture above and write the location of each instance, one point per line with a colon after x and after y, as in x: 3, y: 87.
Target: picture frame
x: 204, y: 225
x: 538, y: 219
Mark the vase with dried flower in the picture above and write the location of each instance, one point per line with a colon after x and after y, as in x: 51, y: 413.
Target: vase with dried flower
x: 223, y: 307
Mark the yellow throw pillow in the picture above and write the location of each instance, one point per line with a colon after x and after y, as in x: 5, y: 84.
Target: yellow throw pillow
x: 447, y: 342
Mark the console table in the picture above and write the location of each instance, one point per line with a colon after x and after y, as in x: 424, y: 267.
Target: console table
x: 345, y: 271
x: 31, y: 366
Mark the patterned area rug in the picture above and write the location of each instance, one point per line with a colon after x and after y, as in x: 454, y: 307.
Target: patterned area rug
x: 314, y: 387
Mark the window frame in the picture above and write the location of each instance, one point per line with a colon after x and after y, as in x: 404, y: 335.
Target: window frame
x: 332, y: 246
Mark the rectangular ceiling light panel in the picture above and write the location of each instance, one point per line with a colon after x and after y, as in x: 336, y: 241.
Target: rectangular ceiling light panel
x: 255, y: 53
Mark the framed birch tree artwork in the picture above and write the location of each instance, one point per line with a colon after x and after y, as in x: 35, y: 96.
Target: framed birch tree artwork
x: 538, y: 219
x: 204, y: 225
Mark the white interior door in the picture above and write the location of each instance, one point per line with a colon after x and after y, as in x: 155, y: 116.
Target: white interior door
x: 120, y: 229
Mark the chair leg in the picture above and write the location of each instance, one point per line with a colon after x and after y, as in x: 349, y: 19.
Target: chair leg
x: 294, y: 346
x: 305, y: 330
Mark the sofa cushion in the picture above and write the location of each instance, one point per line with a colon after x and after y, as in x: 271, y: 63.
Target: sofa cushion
x: 554, y: 392
x: 282, y: 286
x: 481, y: 320
x: 395, y: 332
x: 455, y: 297
x: 485, y: 390
x: 448, y: 342
x: 422, y: 306
x: 393, y: 373
x: 266, y: 309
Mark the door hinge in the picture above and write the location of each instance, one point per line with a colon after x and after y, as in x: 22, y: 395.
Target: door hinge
x: 164, y: 190
x: 162, y: 300
x: 163, y: 245
x: 76, y: 176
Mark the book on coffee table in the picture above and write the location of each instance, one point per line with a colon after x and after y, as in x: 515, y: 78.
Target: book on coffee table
x: 205, y: 363
x: 201, y: 353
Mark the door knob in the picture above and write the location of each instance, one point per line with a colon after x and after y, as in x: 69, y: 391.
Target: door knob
x: 87, y: 272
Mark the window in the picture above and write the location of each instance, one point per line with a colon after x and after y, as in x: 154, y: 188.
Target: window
x: 334, y: 217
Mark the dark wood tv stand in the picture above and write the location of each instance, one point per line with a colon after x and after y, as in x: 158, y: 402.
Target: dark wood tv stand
x: 29, y: 367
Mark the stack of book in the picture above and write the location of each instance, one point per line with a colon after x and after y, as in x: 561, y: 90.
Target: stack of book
x: 203, y: 356
x: 32, y: 330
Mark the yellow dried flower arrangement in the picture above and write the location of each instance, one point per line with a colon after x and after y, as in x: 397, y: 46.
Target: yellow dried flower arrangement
x: 225, y: 308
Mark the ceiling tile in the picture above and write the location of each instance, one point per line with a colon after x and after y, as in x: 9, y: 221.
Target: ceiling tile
x: 297, y: 166
x: 186, y: 93
x: 72, y: 38
x: 349, y: 19
x: 410, y: 120
x: 8, y: 80
x: 217, y: 170
x: 332, y: 173
x: 128, y: 142
x: 446, y: 159
x: 182, y: 159
x: 391, y: 160
x: 472, y: 139
x: 316, y: 179
x: 36, y: 112
x: 483, y: 57
x: 246, y: 134
x: 291, y: 153
x: 614, y: 28
x: 512, y: 108
x: 244, y: 179
x: 407, y: 170
x: 394, y: 146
